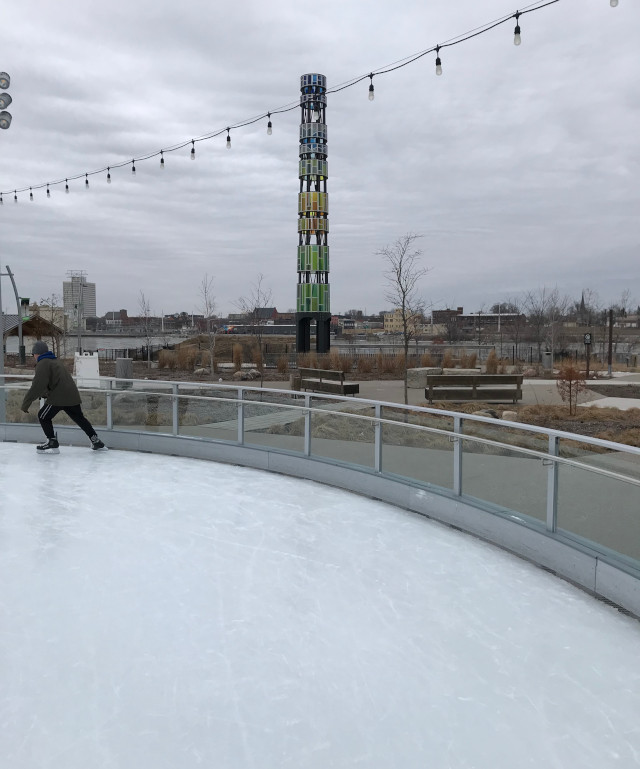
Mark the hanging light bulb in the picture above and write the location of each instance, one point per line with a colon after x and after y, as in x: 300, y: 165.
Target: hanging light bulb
x: 269, y: 126
x: 30, y: 194
x: 15, y: 196
x: 371, y: 93
x: 66, y: 186
x: 133, y: 167
x: 516, y: 32
x: 438, y: 62
x: 613, y: 3
x: 161, y: 159
x: 108, y: 176
x: 86, y: 181
x: 193, y: 150
x: 48, y: 191
x: 228, y: 139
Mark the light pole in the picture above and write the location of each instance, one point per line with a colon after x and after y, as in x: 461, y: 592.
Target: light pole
x: 5, y: 122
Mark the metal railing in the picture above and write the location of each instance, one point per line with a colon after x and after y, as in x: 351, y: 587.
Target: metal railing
x: 582, y: 490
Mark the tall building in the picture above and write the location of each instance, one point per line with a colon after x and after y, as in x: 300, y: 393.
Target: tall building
x: 313, y: 218
x: 76, y: 292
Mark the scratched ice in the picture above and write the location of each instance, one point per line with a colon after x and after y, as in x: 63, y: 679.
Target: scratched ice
x: 164, y: 613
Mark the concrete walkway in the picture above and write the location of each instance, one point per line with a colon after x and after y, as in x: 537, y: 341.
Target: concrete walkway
x: 534, y: 391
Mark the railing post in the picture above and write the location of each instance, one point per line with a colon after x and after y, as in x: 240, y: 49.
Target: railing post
x: 109, y: 405
x: 240, y: 416
x: 457, y: 456
x: 174, y: 408
x: 378, y: 440
x: 307, y: 426
x: 552, y: 485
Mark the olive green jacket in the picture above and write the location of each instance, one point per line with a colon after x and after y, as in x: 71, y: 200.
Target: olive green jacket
x: 53, y: 382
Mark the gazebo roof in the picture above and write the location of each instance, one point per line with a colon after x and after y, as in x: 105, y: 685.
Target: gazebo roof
x: 34, y: 325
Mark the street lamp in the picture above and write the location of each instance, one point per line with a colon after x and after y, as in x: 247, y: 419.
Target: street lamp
x: 5, y: 100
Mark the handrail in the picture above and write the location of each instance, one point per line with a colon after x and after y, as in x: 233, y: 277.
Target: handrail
x: 343, y: 398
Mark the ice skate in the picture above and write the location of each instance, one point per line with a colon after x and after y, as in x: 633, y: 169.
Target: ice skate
x: 97, y: 444
x: 50, y: 447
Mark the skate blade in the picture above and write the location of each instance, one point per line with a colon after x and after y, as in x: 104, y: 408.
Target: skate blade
x: 48, y: 451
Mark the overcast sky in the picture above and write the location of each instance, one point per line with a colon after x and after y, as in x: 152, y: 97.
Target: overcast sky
x: 519, y: 165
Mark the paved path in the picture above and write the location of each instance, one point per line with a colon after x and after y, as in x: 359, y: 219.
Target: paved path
x: 534, y: 391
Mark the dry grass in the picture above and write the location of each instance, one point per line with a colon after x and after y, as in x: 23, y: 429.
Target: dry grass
x: 308, y: 360
x: 186, y: 358
x: 364, y: 364
x: 448, y: 360
x: 282, y: 364
x: 256, y: 357
x: 427, y: 361
x: 491, y: 364
x: 237, y: 356
x: 468, y: 361
x: 168, y: 359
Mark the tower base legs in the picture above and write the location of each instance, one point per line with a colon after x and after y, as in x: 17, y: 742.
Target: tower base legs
x: 303, y: 331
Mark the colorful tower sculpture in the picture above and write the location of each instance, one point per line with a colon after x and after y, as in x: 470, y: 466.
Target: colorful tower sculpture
x: 313, y: 218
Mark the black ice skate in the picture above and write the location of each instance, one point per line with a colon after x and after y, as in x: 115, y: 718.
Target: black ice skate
x: 50, y: 447
x: 97, y: 444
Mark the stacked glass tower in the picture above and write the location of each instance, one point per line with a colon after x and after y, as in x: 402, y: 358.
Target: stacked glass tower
x: 313, y: 218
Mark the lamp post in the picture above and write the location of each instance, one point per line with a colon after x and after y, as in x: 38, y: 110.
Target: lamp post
x: 5, y: 122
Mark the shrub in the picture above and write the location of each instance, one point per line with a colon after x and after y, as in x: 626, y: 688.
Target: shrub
x: 426, y: 361
x: 256, y: 357
x: 491, y: 366
x: 570, y: 384
x: 167, y: 359
x: 237, y: 356
x: 282, y: 364
x: 447, y: 359
x: 307, y: 360
x: 364, y: 364
x: 186, y: 358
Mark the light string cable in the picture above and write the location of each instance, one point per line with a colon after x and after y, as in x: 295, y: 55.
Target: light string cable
x: 536, y: 6
x: 437, y: 48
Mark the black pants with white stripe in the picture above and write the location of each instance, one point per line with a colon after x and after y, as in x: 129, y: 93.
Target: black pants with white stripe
x: 47, y: 413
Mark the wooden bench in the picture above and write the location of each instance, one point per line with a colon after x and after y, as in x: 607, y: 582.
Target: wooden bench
x: 323, y: 381
x: 474, y: 387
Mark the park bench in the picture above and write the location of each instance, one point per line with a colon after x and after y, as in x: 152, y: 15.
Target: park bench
x: 474, y: 387
x: 323, y: 381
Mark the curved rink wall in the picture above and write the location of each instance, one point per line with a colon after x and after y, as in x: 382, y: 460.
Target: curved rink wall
x: 568, y: 503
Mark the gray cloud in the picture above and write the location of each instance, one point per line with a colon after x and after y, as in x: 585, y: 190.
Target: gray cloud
x: 519, y: 165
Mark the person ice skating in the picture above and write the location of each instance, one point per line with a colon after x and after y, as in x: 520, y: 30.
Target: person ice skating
x: 53, y: 382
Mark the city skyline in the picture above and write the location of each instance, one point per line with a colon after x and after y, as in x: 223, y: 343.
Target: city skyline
x: 518, y: 165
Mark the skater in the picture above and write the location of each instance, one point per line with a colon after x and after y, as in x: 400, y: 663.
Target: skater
x: 53, y: 382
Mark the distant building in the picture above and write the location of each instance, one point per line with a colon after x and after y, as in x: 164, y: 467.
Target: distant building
x: 78, y: 293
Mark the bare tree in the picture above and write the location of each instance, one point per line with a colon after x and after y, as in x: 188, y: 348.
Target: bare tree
x: 207, y: 308
x: 543, y: 307
x: 53, y: 310
x: 253, y: 307
x: 145, y: 323
x: 402, y: 277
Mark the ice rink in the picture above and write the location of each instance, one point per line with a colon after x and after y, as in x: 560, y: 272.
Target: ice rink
x: 167, y: 613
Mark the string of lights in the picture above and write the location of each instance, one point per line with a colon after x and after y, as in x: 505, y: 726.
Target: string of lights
x: 517, y: 38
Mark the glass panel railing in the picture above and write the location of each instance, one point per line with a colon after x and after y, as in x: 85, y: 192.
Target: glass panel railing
x: 506, y: 478
x: 595, y: 507
x: 503, y: 476
x: 343, y: 436
x: 214, y: 417
x: 274, y: 420
x: 141, y: 411
x: 417, y: 454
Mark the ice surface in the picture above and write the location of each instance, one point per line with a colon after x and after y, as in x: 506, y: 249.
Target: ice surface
x: 159, y: 612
